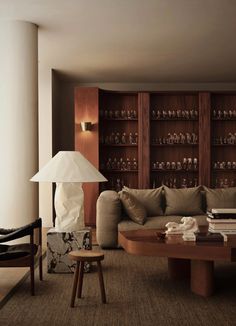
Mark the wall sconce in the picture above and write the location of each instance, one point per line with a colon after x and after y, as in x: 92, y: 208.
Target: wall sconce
x: 86, y: 125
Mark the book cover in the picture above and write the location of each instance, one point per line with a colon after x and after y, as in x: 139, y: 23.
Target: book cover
x: 221, y: 221
x: 222, y: 227
x: 209, y: 237
x: 221, y: 215
x: 223, y: 210
x: 221, y: 230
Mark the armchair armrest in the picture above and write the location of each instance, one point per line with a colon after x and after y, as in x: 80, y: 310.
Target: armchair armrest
x: 6, y: 231
x: 107, y: 219
x: 12, y: 234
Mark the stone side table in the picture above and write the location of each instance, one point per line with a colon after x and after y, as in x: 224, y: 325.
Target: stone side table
x: 59, y: 244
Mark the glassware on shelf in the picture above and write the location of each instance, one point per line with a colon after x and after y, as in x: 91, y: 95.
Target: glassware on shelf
x: 135, y: 164
x: 188, y: 114
x: 117, y: 114
x: 217, y: 165
x: 224, y: 114
x: 123, y: 114
x: 117, y: 138
x: 124, y: 138
x: 128, y: 164
x: 175, y: 182
x: 170, y: 139
x: 184, y: 183
x: 230, y: 139
x: 187, y: 164
x: 128, y: 113
x: 120, y: 164
x: 223, y: 183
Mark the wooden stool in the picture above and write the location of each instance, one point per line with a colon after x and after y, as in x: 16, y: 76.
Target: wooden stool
x: 80, y: 257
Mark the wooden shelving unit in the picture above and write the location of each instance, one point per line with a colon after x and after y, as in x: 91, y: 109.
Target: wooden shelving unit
x: 162, y: 128
x: 221, y: 128
x: 110, y: 113
x: 119, y: 148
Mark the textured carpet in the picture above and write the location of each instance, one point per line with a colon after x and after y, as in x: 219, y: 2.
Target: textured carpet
x: 138, y: 292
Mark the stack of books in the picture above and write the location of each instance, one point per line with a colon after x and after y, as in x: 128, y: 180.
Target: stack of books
x: 222, y: 221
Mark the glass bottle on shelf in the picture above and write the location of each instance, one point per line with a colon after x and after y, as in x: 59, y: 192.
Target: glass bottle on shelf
x: 117, y: 114
x: 123, y: 138
x: 130, y: 138
x: 118, y: 185
x: 117, y: 138
x: 114, y: 164
x: 135, y: 164
x: 184, y: 163
x: 109, y: 164
x: 128, y: 164
x: 184, y: 183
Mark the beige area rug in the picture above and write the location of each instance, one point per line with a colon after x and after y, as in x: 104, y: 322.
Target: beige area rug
x: 138, y: 292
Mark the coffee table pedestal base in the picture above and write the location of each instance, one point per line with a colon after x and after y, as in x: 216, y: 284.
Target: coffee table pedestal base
x: 202, y: 277
x: 178, y: 268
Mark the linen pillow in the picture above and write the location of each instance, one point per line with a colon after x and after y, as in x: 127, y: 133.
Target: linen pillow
x: 220, y: 198
x: 186, y: 201
x: 151, y: 199
x: 133, y: 207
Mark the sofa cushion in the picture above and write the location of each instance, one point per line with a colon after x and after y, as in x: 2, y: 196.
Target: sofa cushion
x: 133, y: 207
x: 149, y: 198
x: 220, y: 198
x: 185, y: 201
x: 157, y: 222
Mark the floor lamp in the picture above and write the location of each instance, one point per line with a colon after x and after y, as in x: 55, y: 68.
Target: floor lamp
x: 69, y: 169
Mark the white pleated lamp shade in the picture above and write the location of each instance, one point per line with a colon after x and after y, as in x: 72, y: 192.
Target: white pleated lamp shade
x: 68, y: 166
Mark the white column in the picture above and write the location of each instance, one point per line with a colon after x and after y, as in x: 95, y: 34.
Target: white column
x: 18, y: 123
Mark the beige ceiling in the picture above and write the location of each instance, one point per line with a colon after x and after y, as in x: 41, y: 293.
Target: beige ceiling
x: 133, y: 40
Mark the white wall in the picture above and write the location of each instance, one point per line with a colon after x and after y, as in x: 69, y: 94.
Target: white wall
x: 45, y: 141
x: 18, y: 122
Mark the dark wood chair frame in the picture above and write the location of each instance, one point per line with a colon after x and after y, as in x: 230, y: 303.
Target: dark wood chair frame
x: 28, y: 260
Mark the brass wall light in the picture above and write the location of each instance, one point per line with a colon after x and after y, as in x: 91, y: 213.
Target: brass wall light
x: 86, y: 125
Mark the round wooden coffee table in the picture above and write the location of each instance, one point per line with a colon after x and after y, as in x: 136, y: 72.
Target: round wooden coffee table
x: 185, y: 258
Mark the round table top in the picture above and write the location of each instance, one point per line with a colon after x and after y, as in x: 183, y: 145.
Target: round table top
x: 86, y: 255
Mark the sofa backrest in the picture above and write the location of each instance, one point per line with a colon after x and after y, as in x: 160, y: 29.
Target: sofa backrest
x: 222, y: 197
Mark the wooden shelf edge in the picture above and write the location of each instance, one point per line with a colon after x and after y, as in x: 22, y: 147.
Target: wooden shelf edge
x: 174, y: 145
x: 174, y: 171
x: 119, y: 171
x: 119, y: 145
x: 174, y: 119
x: 118, y: 119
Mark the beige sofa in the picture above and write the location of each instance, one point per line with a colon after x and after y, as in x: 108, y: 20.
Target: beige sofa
x: 111, y: 216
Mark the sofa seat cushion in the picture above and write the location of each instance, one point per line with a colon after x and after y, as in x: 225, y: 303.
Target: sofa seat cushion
x: 157, y: 222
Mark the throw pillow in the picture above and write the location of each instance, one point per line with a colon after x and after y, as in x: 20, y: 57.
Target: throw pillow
x: 220, y: 198
x: 186, y: 201
x: 151, y: 199
x: 133, y: 207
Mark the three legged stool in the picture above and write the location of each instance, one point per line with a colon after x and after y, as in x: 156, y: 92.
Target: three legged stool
x: 80, y: 257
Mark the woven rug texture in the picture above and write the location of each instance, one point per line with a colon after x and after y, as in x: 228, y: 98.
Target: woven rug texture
x: 138, y: 291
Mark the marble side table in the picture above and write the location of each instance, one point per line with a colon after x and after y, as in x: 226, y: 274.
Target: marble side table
x: 59, y: 244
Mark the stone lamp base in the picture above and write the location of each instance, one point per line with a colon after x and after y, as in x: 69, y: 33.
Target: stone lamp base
x: 59, y: 244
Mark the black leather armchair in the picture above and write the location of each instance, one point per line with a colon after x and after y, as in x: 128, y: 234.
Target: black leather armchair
x: 25, y: 254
